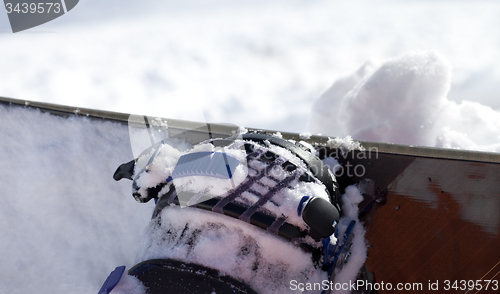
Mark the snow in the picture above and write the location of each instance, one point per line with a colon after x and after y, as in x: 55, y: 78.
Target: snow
x: 345, y: 145
x: 253, y: 63
x: 233, y: 247
x: 129, y: 285
x: 350, y: 201
x: 65, y: 214
x: 404, y: 100
x: 66, y: 224
x: 305, y: 136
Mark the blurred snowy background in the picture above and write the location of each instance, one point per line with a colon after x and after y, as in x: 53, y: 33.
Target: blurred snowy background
x: 254, y: 63
x: 396, y: 71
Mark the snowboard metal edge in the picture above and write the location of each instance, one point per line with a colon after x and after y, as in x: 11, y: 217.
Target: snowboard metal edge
x: 221, y: 130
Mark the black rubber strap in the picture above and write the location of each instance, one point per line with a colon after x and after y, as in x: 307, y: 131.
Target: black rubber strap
x: 162, y: 276
x: 286, y: 230
x: 125, y: 170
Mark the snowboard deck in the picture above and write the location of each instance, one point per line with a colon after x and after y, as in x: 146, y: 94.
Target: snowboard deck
x: 431, y: 215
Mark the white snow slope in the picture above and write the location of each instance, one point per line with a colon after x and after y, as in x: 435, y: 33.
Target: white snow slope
x: 64, y: 222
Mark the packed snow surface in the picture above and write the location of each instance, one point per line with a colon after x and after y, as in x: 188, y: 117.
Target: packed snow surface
x: 65, y: 223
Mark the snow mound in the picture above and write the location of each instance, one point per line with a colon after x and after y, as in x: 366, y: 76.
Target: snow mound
x: 404, y: 100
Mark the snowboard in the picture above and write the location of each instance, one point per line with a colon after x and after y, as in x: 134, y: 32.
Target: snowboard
x: 432, y: 216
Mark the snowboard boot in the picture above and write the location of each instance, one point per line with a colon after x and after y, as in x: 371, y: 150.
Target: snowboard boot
x: 252, y: 213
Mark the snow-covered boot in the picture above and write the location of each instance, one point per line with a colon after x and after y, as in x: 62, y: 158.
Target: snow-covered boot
x: 250, y: 214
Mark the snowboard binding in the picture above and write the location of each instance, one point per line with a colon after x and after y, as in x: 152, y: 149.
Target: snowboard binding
x: 272, y: 168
